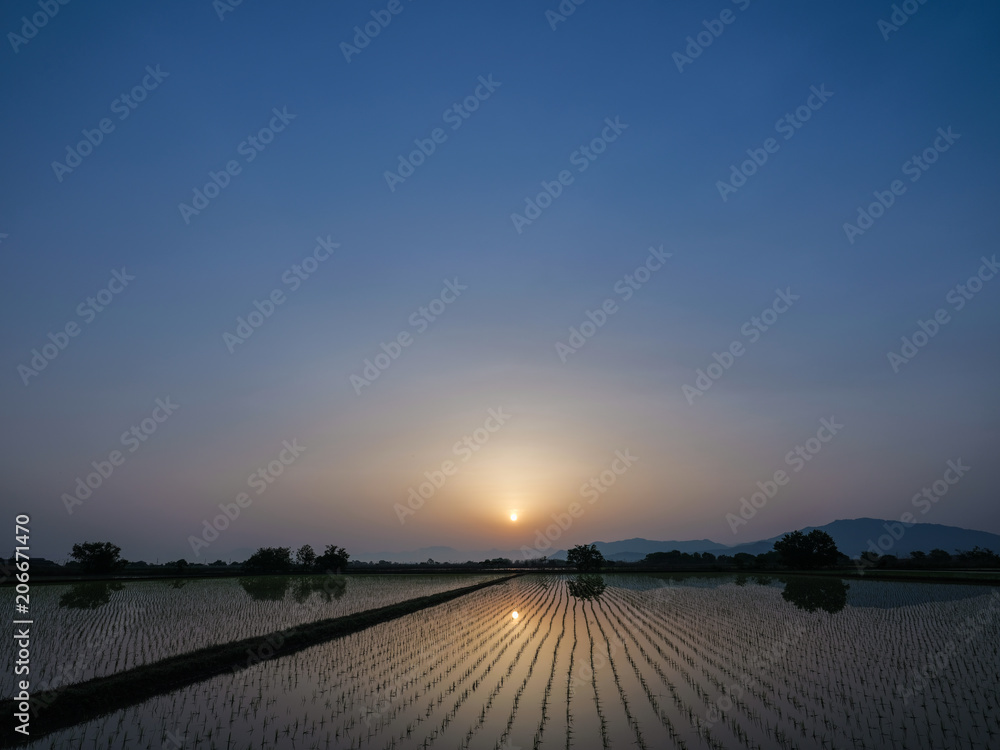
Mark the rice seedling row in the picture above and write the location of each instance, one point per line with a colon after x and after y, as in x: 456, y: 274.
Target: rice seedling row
x: 687, y: 666
x: 95, y: 629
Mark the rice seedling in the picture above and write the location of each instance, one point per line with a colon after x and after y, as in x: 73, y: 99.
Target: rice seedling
x: 709, y: 663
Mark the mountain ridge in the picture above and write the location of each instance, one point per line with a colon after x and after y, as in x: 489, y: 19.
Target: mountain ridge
x: 852, y: 536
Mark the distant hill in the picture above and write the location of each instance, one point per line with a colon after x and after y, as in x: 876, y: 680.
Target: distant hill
x: 851, y: 535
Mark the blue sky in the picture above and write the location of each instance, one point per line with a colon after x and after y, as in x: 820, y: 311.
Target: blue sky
x: 494, y: 347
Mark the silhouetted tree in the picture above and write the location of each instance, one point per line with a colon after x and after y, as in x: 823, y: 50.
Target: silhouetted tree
x: 887, y: 561
x: 979, y: 557
x: 306, y: 556
x: 585, y: 557
x: 938, y: 556
x: 813, y: 550
x: 868, y: 557
x: 333, y: 558
x: 98, y: 557
x: 269, y: 560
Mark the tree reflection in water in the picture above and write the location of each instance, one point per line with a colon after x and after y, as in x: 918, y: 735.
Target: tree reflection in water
x: 89, y: 595
x: 587, y: 586
x: 811, y: 594
x: 274, y: 588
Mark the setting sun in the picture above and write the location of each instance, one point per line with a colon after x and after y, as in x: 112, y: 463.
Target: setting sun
x: 513, y: 516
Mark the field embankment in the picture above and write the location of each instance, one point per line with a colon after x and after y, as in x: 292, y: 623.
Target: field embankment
x: 85, y: 701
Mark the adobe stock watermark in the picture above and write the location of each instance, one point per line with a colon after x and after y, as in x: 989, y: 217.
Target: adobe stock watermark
x: 421, y: 321
x: 581, y: 158
x: 222, y: 7
x: 796, y: 460
x: 132, y: 439
x: 625, y: 287
x: 753, y: 329
x: 455, y: 116
x: 958, y: 296
x: 258, y: 481
x: 271, y: 645
x: 786, y: 126
x: 249, y: 149
x: 562, y: 12
x: 464, y: 450
x: 924, y: 500
x: 123, y: 106
x: 46, y: 691
x: 901, y: 13
x: 292, y: 277
x: 591, y: 490
x: 713, y: 30
x: 30, y: 27
x: 363, y: 35
x: 914, y: 168
x: 88, y: 310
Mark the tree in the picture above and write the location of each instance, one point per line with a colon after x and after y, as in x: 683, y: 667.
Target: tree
x: 888, y: 561
x: 813, y: 550
x: 98, y: 557
x: 939, y: 557
x: 585, y: 557
x: 869, y: 558
x: 270, y: 560
x: 333, y: 558
x: 305, y: 556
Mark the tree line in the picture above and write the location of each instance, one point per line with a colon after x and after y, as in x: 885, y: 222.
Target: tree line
x: 795, y: 551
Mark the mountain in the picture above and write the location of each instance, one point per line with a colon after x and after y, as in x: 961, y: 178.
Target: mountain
x: 853, y: 536
x: 627, y: 549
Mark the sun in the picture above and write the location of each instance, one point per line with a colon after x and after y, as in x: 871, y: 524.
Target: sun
x: 513, y: 516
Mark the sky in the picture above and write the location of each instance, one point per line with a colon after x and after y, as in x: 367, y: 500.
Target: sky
x: 382, y: 274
